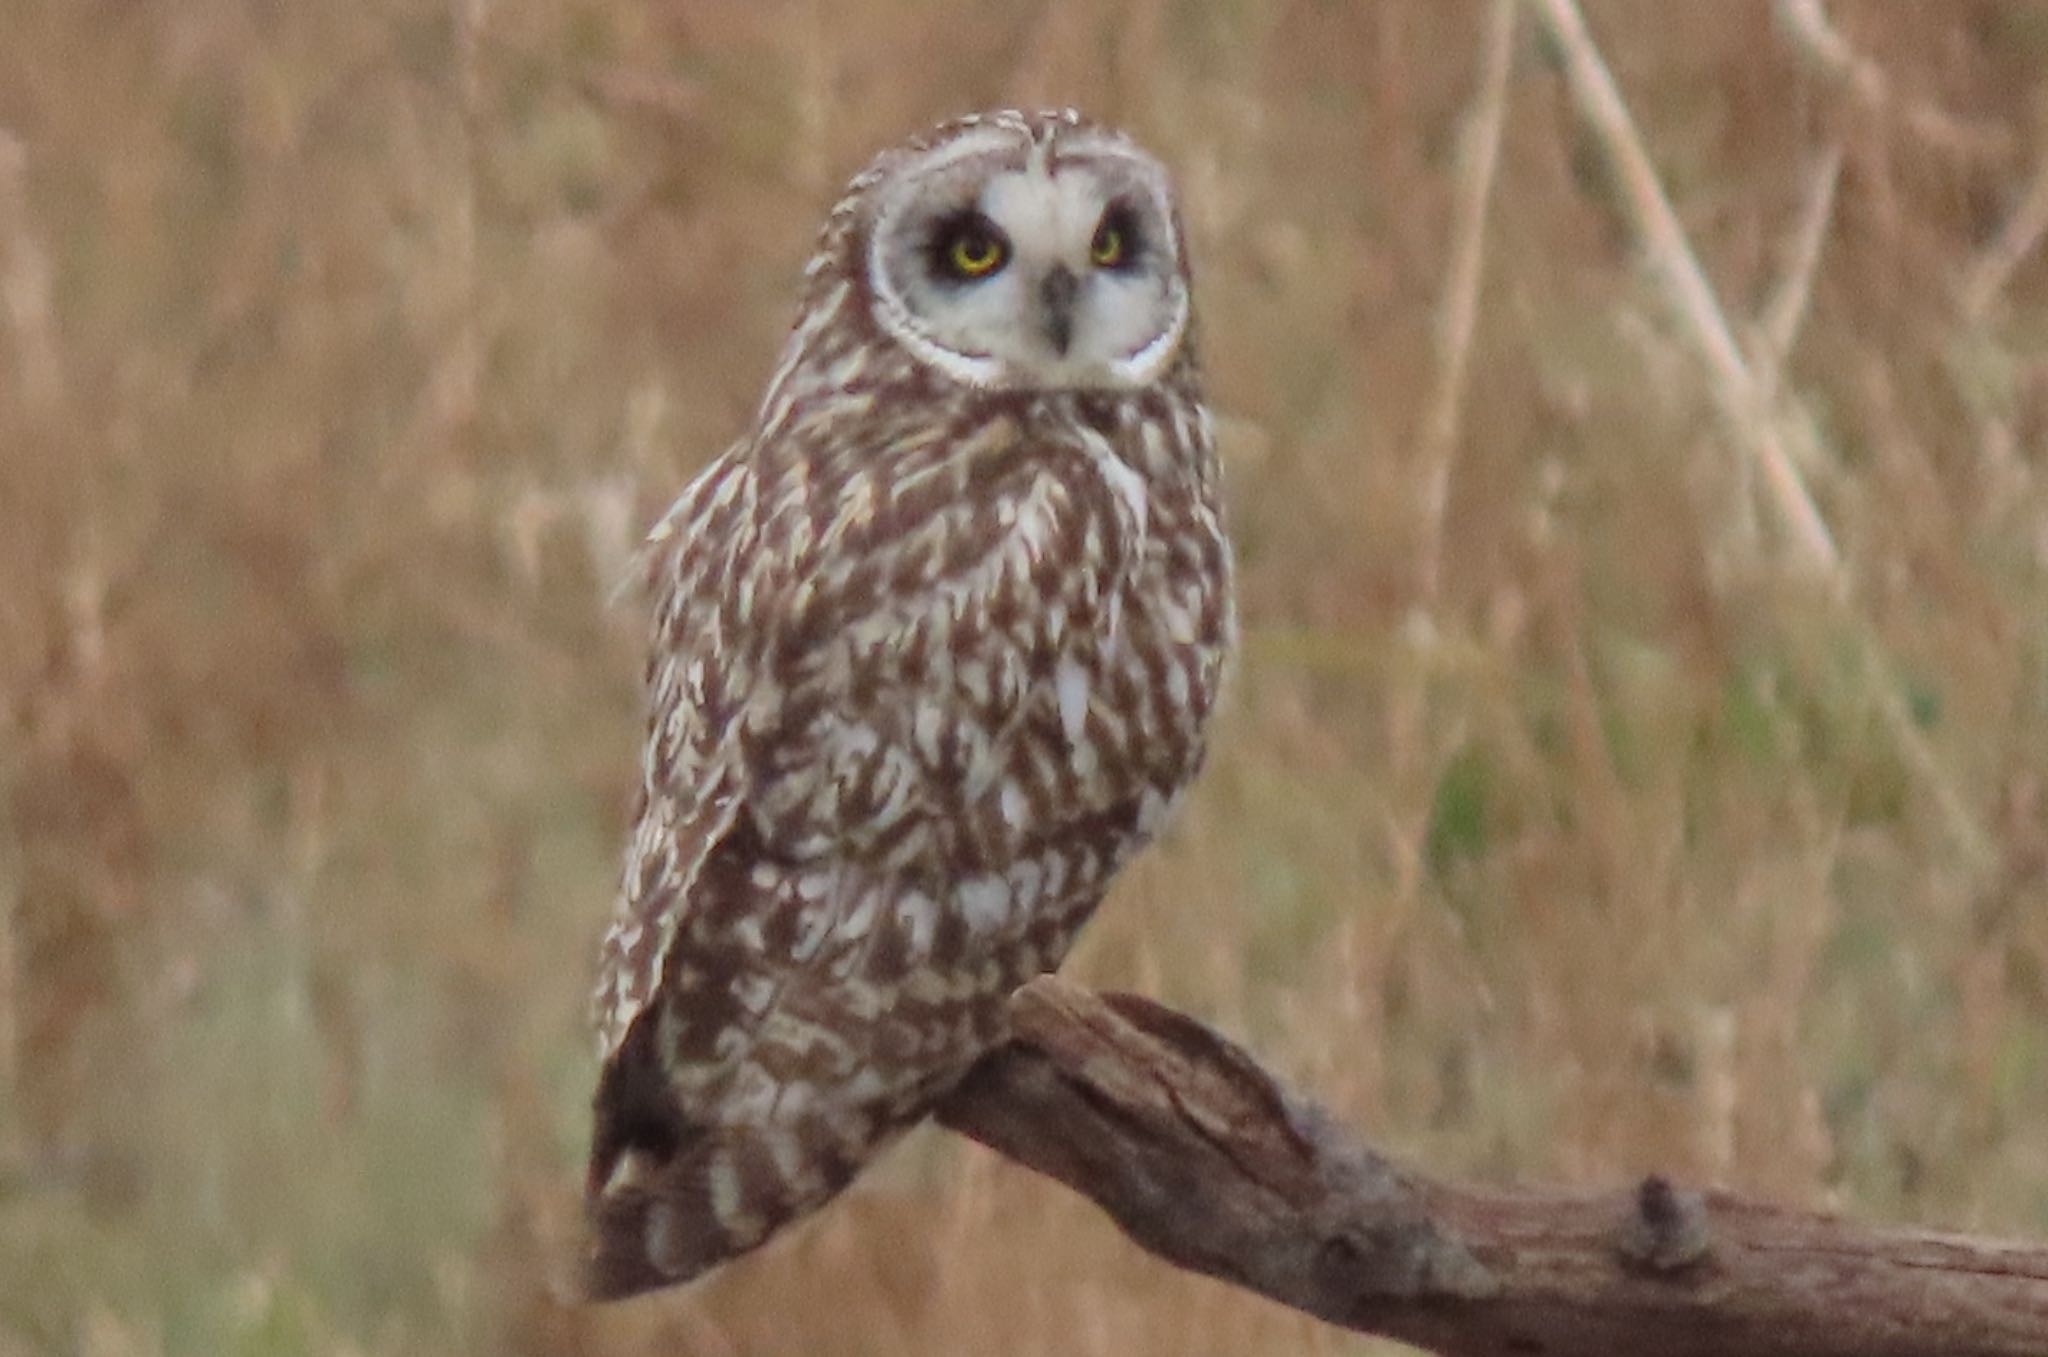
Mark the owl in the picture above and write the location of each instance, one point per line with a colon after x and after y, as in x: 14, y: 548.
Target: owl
x: 935, y: 649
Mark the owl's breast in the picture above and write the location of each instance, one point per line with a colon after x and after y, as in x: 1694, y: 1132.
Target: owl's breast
x: 1123, y: 719
x: 992, y: 674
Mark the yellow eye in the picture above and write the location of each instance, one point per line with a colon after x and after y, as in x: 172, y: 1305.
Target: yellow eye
x: 975, y: 254
x: 1107, y: 249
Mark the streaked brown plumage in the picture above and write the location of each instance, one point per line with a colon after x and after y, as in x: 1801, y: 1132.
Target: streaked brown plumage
x: 935, y: 648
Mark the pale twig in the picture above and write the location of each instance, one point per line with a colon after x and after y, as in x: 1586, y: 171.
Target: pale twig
x: 1776, y: 332
x: 1806, y: 23
x: 1671, y: 257
x: 817, y: 112
x: 1770, y: 340
x: 1744, y: 405
x: 1993, y: 268
x: 26, y: 282
x: 1785, y: 311
x: 657, y: 95
x: 1479, y: 156
x: 455, y: 387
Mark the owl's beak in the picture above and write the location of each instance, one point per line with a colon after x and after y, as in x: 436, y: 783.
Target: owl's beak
x: 1056, y: 295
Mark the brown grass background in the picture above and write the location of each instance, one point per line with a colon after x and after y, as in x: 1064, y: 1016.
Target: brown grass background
x: 345, y: 349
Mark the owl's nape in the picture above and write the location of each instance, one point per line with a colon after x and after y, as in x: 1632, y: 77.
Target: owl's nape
x: 935, y: 649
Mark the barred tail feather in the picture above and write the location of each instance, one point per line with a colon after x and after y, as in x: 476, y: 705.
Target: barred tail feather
x: 642, y: 1238
x: 723, y: 1194
x: 667, y: 1199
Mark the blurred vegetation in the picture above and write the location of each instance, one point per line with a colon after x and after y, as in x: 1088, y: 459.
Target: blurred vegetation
x: 345, y: 349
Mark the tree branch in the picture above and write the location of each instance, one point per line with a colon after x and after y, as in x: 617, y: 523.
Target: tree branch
x: 1205, y: 1161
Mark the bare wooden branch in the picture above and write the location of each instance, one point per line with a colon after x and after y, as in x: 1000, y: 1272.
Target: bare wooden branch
x: 1204, y: 1160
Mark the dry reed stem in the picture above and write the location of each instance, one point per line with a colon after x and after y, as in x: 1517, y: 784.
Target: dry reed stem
x: 1778, y: 331
x: 464, y: 377
x: 1988, y: 274
x: 1806, y: 23
x: 1478, y: 159
x: 1671, y: 257
x: 26, y: 281
x: 1745, y: 406
x: 1772, y: 338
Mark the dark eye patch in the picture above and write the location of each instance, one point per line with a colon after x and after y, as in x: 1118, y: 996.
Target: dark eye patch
x: 965, y: 246
x: 1119, y: 241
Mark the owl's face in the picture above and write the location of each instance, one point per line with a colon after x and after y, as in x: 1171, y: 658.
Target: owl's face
x: 1046, y: 256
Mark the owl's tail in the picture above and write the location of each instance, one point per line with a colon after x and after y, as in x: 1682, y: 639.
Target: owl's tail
x: 642, y: 1237
x: 668, y: 1200
x: 664, y: 1229
x: 653, y: 1216
x: 655, y: 1224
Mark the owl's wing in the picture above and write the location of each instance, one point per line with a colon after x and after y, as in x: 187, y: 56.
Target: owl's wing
x: 792, y: 619
x: 696, y: 677
x: 838, y: 664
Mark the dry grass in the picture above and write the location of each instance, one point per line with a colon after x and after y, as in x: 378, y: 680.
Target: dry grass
x: 344, y: 348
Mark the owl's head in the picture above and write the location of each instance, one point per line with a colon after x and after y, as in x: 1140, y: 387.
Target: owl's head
x: 1026, y: 252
